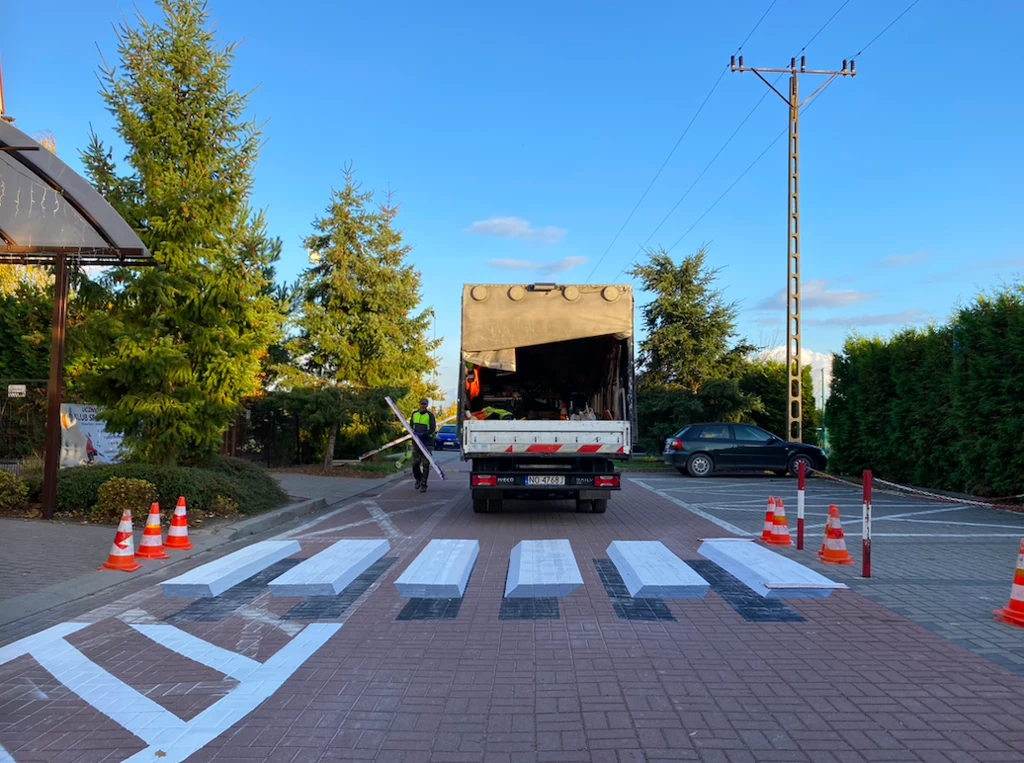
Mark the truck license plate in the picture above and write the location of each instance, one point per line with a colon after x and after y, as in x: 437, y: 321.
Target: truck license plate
x: 538, y: 479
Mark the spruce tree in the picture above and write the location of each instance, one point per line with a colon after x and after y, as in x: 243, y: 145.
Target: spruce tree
x: 181, y: 343
x: 361, y: 327
x: 690, y: 327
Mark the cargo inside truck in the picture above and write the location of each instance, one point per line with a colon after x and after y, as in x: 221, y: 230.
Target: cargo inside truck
x: 577, y: 379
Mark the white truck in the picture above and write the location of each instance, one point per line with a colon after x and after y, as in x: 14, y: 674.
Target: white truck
x: 547, y: 401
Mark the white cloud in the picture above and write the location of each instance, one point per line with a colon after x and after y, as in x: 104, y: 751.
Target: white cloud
x: 902, y: 260
x: 818, y: 361
x: 813, y: 295
x: 514, y: 227
x: 512, y: 264
x: 558, y: 266
x: 562, y: 265
x: 903, y: 318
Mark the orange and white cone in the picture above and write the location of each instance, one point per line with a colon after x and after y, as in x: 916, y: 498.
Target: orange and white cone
x: 780, y: 527
x: 152, y: 545
x: 177, y: 533
x: 1013, y: 613
x: 834, y: 549
x: 769, y: 520
x: 122, y: 553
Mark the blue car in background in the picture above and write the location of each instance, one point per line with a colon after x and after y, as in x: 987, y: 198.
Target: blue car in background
x: 447, y: 437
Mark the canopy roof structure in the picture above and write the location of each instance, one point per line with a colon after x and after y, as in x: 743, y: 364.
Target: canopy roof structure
x: 47, y: 209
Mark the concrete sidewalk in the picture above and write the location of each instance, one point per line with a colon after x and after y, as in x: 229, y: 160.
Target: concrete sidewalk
x: 46, y: 565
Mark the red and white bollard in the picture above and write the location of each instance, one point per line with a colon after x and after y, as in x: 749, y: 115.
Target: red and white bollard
x: 866, y: 542
x: 801, y: 476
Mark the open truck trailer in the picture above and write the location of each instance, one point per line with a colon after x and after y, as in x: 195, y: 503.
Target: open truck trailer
x: 547, y: 401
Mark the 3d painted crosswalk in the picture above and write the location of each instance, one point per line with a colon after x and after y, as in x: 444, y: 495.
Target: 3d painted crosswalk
x: 541, y: 571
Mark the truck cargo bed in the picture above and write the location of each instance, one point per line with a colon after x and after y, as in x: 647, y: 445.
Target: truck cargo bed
x: 545, y: 438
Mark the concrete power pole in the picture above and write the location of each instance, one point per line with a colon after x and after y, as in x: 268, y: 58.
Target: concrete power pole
x: 794, y: 407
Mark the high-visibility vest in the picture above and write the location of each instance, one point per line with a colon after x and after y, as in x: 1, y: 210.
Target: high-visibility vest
x: 421, y: 418
x: 473, y: 385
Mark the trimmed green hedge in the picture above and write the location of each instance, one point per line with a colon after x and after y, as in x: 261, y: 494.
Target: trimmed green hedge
x: 205, y: 489
x: 941, y: 407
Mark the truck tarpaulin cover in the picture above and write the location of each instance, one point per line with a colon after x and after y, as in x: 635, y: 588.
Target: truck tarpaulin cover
x: 496, y: 319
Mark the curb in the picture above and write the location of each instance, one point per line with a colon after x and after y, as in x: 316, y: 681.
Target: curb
x: 266, y: 521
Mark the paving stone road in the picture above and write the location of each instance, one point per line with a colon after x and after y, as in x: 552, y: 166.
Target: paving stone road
x: 594, y: 676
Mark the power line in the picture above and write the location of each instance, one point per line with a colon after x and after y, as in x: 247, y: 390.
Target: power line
x: 891, y: 23
x: 706, y: 168
x: 674, y: 147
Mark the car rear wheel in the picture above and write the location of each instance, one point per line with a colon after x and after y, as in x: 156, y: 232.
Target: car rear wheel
x: 794, y: 465
x: 700, y: 465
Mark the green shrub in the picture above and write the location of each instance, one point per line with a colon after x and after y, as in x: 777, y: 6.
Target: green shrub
x: 13, y: 492
x: 939, y: 407
x: 251, y: 489
x: 120, y: 493
x: 223, y: 506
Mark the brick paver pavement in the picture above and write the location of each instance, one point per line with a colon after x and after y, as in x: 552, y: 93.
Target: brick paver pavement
x: 718, y: 679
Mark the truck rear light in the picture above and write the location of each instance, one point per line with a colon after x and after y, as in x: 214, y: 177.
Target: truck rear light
x: 483, y: 480
x: 675, y: 444
x: 611, y: 480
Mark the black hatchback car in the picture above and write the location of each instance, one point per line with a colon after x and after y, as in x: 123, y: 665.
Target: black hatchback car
x: 703, y: 449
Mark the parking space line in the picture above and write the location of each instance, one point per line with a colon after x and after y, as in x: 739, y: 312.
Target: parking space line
x: 727, y: 526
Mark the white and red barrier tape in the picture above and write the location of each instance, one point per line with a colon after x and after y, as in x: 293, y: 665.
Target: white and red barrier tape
x: 894, y: 488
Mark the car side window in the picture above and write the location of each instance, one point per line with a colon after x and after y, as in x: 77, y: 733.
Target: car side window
x: 750, y: 434
x: 689, y: 433
x: 715, y: 432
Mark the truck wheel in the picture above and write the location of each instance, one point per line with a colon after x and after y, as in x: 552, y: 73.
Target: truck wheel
x: 600, y: 505
x: 494, y: 505
x: 700, y: 465
x: 480, y: 505
x: 583, y: 506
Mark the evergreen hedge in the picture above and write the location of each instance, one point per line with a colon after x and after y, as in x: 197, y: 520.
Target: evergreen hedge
x: 941, y: 407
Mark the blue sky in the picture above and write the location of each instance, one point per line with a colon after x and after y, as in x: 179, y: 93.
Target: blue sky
x: 519, y: 137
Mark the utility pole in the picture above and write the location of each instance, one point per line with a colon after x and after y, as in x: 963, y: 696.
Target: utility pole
x: 794, y: 407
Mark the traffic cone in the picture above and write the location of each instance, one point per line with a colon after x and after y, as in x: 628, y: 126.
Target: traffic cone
x: 152, y: 546
x: 177, y: 533
x: 780, y: 528
x: 833, y: 551
x: 769, y: 520
x: 122, y: 553
x: 1013, y: 613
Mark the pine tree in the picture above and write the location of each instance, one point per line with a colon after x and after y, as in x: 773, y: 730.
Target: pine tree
x: 181, y: 343
x: 690, y: 328
x: 361, y: 325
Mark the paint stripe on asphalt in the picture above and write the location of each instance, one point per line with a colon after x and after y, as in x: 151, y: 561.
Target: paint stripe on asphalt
x: 332, y: 570
x: 34, y: 642
x: 727, y: 526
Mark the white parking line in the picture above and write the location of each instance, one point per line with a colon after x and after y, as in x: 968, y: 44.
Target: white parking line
x: 727, y: 526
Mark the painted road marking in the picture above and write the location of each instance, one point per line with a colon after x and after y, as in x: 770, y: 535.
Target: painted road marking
x: 222, y: 660
x: 766, y: 573
x: 542, y: 569
x: 727, y: 526
x: 332, y: 570
x: 372, y: 520
x: 216, y: 577
x: 440, y: 571
x: 107, y: 693
x: 650, y: 570
x: 171, y: 746
x: 38, y: 641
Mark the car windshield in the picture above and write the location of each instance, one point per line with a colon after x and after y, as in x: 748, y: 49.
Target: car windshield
x: 449, y: 429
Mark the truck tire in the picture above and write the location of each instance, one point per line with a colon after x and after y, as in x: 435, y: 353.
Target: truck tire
x: 584, y: 506
x: 600, y: 505
x: 700, y: 465
x: 480, y: 505
x: 494, y: 505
